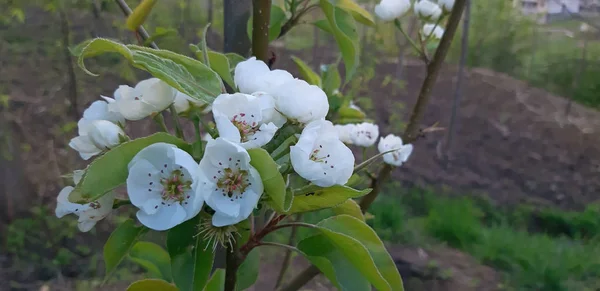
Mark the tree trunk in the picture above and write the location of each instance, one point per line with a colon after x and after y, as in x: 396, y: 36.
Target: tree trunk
x: 236, y: 15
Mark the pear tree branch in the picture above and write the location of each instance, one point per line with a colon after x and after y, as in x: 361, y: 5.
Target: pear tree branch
x: 412, y: 130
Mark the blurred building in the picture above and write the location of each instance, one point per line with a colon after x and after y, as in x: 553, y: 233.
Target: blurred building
x: 549, y: 10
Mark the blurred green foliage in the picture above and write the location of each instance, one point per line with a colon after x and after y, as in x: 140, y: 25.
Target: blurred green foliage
x: 536, y: 248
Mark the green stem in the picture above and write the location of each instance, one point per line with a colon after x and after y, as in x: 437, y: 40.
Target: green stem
x: 261, y: 15
x: 287, y: 247
x: 160, y: 120
x: 197, y: 149
x: 178, y: 129
x: 411, y: 132
x: 408, y: 38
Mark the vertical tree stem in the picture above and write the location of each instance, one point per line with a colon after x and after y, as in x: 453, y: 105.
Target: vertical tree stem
x: 261, y: 15
x: 412, y: 130
x: 66, y: 42
x: 178, y: 128
x: 461, y: 75
x: 433, y: 69
x: 231, y: 267
x: 235, y: 36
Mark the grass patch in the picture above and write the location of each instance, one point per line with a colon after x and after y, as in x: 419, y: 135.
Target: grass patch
x: 537, y: 249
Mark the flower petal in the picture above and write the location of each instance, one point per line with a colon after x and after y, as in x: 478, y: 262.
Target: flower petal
x: 64, y: 206
x: 84, y: 146
x: 143, y: 183
x: 165, y: 218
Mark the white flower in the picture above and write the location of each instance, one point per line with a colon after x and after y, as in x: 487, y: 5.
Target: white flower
x: 446, y: 4
x: 344, y: 131
x: 391, y: 9
x: 148, y: 97
x: 253, y: 75
x: 89, y: 213
x: 99, y: 110
x: 392, y: 142
x: 95, y: 137
x: 436, y: 32
x: 320, y: 156
x: 364, y: 134
x: 269, y: 112
x: 239, y: 119
x: 301, y: 101
x: 183, y: 103
x: 162, y: 184
x: 230, y: 185
x: 427, y: 10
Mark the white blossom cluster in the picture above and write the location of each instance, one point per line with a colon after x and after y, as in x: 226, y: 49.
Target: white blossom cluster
x: 169, y: 187
x: 429, y: 12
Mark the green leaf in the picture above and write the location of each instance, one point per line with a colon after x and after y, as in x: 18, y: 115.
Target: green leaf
x: 344, y: 31
x: 151, y: 285
x: 315, y: 198
x: 319, y: 250
x: 331, y: 78
x: 272, y: 180
x: 350, y: 113
x: 191, y: 260
x: 139, y: 14
x: 307, y: 73
x: 159, y: 33
x: 350, y: 207
x: 153, y: 258
x: 185, y: 74
x: 234, y: 59
x: 277, y: 19
x: 110, y: 170
x: 217, y: 281
x: 360, y: 14
x: 364, y: 249
x: 218, y: 63
x: 119, y: 243
x: 247, y: 274
x: 323, y: 24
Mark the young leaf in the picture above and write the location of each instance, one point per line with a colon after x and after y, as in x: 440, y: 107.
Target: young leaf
x: 318, y: 198
x: 139, y: 14
x: 319, y: 250
x: 217, y: 281
x: 323, y: 24
x: 153, y: 258
x: 307, y: 73
x: 364, y: 249
x: 272, y: 179
x: 350, y: 207
x: 191, y: 260
x: 247, y: 273
x: 120, y: 241
x: 185, y: 74
x: 331, y: 78
x: 351, y: 113
x: 218, y: 63
x: 234, y: 59
x: 110, y: 170
x: 344, y: 31
x: 360, y: 14
x: 151, y: 284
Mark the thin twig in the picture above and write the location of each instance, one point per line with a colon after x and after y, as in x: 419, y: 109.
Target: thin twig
x: 178, y: 129
x: 231, y: 266
x: 410, y: 40
x: 287, y: 259
x: 288, y: 247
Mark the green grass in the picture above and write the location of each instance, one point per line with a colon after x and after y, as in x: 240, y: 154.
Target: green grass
x: 537, y: 249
